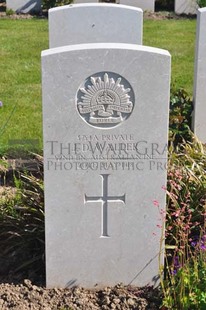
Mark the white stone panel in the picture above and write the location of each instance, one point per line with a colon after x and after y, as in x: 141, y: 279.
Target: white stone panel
x: 105, y: 116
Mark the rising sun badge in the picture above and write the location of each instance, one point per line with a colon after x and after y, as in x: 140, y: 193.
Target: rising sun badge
x: 105, y: 100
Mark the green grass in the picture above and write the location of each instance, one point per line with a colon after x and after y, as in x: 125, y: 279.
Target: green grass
x: 21, y: 43
x: 178, y: 37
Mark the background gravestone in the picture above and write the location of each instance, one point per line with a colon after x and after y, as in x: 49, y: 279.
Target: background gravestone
x: 199, y: 117
x: 94, y: 23
x: 24, y: 6
x: 146, y: 5
x: 105, y: 116
x: 186, y: 6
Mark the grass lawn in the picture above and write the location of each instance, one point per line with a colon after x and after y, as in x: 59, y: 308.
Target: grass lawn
x: 178, y: 37
x: 21, y: 43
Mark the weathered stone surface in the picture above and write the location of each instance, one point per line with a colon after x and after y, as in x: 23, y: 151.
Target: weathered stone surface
x: 199, y: 121
x: 145, y: 5
x: 186, y: 6
x: 24, y: 6
x: 95, y: 23
x: 105, y: 115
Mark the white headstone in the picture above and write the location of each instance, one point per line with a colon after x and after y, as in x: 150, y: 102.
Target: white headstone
x: 186, y: 6
x: 105, y: 116
x: 199, y: 117
x: 95, y: 23
x: 145, y: 5
x: 24, y: 6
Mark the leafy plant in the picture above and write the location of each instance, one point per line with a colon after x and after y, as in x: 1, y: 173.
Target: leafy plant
x: 201, y: 3
x: 9, y: 12
x: 180, y: 120
x: 22, y: 227
x: 185, y: 276
x: 47, y: 4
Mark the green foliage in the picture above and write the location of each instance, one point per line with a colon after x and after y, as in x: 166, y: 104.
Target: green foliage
x: 9, y: 12
x: 178, y: 37
x: 201, y: 3
x: 189, y: 282
x: 47, y: 4
x: 180, y: 120
x: 20, y: 91
x: 185, y: 277
x: 22, y: 227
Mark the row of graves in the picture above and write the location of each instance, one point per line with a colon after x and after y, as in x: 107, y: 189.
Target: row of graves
x: 34, y: 6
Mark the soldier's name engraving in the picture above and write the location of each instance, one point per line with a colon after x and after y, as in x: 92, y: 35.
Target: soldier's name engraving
x: 105, y: 149
x: 108, y: 152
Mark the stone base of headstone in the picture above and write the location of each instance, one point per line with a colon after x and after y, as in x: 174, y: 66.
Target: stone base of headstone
x: 24, y: 6
x: 186, y: 7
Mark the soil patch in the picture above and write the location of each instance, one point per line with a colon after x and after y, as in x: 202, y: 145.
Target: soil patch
x: 26, y: 296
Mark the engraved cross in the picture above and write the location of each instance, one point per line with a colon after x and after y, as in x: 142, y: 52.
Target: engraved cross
x: 104, y: 199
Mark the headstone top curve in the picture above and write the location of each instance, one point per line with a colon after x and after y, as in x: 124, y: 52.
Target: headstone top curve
x: 92, y: 46
x: 88, y: 5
